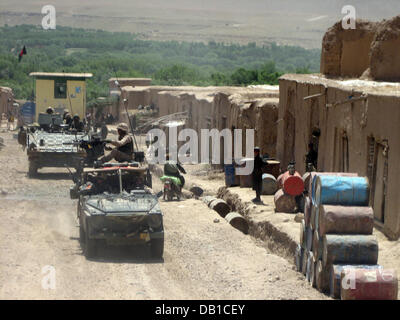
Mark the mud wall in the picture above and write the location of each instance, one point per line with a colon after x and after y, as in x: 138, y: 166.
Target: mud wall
x: 385, y: 58
x: 6, y: 100
x: 213, y: 107
x: 370, y: 50
x: 346, y: 53
x: 361, y: 137
x: 124, y: 82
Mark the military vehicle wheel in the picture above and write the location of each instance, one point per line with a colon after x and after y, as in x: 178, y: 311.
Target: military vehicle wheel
x: 32, y: 170
x: 90, y: 246
x: 157, y: 248
x: 169, y: 196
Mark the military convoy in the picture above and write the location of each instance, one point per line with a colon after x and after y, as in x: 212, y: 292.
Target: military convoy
x: 116, y: 206
x: 50, y: 143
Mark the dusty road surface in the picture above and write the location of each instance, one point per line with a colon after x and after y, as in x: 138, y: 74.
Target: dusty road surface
x: 202, y: 259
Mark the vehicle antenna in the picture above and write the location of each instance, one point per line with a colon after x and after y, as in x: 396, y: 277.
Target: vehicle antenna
x: 126, y: 110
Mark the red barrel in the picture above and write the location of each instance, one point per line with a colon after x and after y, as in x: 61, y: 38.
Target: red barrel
x: 284, y: 202
x: 292, y: 184
x: 345, y: 220
x: 336, y: 273
x: 364, y: 284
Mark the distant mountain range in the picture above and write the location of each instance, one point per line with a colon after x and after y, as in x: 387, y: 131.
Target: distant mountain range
x: 283, y: 21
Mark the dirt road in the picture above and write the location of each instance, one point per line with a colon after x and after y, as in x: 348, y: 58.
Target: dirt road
x: 202, y: 259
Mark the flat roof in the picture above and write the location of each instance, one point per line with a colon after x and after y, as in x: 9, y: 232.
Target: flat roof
x: 348, y: 84
x: 60, y: 75
x: 129, y: 79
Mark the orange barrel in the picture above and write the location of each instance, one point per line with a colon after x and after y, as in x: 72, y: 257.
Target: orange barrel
x: 314, y: 174
x: 220, y: 206
x: 298, y: 257
x: 269, y: 184
x: 345, y: 220
x: 368, y: 284
x: 307, y: 211
x: 322, y: 277
x: 349, y: 249
x: 284, y: 202
x: 292, y: 184
x: 309, y: 239
x: 237, y: 221
x: 317, y: 245
x: 336, y: 190
x: 310, y: 262
x: 303, y: 235
x: 335, y: 276
x: 314, y: 215
x: 304, y: 262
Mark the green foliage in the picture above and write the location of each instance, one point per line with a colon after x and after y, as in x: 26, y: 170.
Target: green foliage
x: 107, y: 54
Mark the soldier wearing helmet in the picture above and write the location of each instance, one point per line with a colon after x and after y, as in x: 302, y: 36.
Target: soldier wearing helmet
x: 124, y: 146
x: 50, y: 110
x: 76, y: 123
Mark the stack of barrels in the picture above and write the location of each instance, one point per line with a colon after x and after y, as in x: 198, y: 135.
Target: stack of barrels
x: 290, y: 186
x: 337, y: 252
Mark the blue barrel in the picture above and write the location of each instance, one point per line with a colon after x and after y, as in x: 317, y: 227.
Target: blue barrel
x: 346, y: 191
x: 313, y: 180
x: 229, y: 175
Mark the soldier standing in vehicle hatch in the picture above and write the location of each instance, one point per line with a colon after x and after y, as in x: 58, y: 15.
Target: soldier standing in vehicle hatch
x: 124, y: 146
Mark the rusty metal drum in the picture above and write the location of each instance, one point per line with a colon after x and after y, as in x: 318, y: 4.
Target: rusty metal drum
x: 237, y: 221
x: 345, y: 220
x: 220, y: 206
x: 335, y: 276
x: 369, y: 284
x: 317, y: 245
x: 322, y: 277
x: 284, y: 202
x: 349, y: 249
x: 292, y: 184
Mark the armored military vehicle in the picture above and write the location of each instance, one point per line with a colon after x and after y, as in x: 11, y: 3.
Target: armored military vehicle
x: 117, y: 207
x: 50, y: 143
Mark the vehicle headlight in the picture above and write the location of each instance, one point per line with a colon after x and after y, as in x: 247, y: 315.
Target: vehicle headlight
x: 155, y: 220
